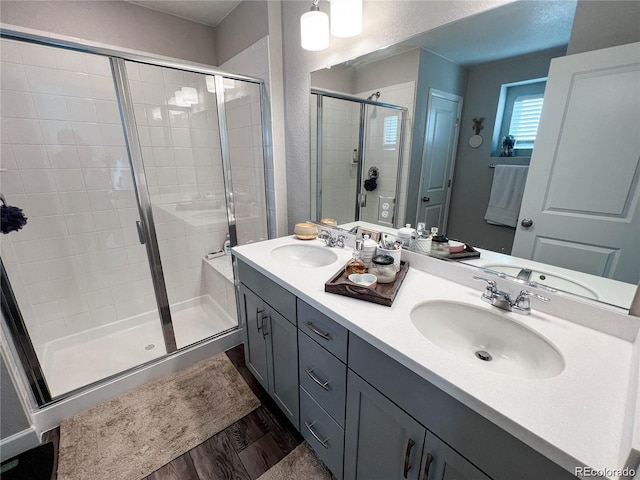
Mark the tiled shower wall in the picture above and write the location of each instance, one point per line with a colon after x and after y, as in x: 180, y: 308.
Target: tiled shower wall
x: 78, y: 263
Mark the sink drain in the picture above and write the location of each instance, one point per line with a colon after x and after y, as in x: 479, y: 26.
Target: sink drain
x: 484, y: 356
x: 151, y: 346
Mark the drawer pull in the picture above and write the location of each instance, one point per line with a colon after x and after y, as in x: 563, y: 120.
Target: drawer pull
x: 259, y: 319
x: 310, y: 326
x: 315, y: 435
x: 407, y: 455
x: 324, y: 385
x: 427, y: 465
x: 264, y: 330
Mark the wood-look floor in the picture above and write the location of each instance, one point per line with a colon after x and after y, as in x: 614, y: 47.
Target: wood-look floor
x: 242, y: 451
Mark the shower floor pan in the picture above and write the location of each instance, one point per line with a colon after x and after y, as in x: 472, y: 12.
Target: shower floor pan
x: 78, y: 360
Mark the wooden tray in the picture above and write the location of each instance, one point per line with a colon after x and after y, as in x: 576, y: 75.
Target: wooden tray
x: 468, y: 252
x: 383, y: 294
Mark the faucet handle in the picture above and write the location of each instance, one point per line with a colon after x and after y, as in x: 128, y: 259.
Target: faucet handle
x: 340, y: 241
x: 490, y: 283
x: 522, y: 301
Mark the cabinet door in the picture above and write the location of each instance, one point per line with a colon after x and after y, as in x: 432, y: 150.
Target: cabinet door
x: 382, y: 442
x: 441, y: 462
x: 255, y: 346
x: 282, y: 342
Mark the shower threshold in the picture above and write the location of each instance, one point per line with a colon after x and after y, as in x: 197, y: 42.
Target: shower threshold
x: 77, y: 360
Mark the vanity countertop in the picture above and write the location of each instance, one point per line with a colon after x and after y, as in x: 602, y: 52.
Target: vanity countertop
x: 586, y: 415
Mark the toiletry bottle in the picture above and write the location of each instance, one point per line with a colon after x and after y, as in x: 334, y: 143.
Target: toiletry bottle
x: 368, y: 250
x: 356, y: 265
x: 434, y: 233
x: 227, y: 245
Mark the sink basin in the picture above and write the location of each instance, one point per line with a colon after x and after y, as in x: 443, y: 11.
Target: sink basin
x: 553, y: 280
x: 487, y: 339
x: 304, y: 255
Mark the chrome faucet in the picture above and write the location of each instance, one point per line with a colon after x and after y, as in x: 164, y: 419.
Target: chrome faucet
x: 525, y: 274
x: 330, y: 241
x: 503, y: 300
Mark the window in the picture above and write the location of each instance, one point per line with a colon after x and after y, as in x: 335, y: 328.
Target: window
x: 518, y: 114
x: 525, y: 117
x: 390, y: 133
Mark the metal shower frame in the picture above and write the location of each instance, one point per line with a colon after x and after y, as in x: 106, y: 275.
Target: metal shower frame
x: 361, y: 146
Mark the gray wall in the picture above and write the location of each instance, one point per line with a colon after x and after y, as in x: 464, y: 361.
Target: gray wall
x: 12, y: 416
x: 337, y: 79
x: 601, y: 24
x: 243, y: 27
x: 439, y: 73
x: 390, y: 71
x: 472, y: 176
x: 117, y: 23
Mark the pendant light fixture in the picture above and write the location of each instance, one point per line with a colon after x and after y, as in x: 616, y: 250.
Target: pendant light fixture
x: 346, y: 18
x: 314, y: 29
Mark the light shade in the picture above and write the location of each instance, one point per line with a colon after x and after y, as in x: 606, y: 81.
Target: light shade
x: 314, y: 30
x: 346, y: 18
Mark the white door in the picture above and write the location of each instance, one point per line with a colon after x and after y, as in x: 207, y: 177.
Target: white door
x: 438, y: 158
x: 587, y: 154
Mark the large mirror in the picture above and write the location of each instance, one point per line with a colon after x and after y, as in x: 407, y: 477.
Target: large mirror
x: 463, y: 86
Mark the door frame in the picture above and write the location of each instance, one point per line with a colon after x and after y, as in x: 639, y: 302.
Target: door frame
x: 434, y: 92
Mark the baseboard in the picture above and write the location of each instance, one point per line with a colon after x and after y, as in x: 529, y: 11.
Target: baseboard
x: 18, y: 443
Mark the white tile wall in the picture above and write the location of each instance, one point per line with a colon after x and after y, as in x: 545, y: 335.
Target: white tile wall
x: 66, y: 167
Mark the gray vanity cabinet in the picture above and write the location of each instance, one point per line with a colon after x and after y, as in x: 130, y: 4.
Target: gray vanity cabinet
x: 382, y: 442
x: 252, y: 310
x: 268, y: 313
x: 441, y: 462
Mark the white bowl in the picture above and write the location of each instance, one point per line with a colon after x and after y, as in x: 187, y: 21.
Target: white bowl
x: 364, y: 279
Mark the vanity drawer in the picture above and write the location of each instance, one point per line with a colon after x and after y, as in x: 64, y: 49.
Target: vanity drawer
x: 280, y: 299
x: 322, y: 329
x: 324, y: 435
x: 323, y: 376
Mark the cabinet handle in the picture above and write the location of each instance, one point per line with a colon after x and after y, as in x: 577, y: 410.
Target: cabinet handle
x: 315, y: 435
x: 427, y: 465
x: 264, y: 330
x: 310, y: 326
x: 407, y: 467
x: 259, y: 323
x: 324, y: 385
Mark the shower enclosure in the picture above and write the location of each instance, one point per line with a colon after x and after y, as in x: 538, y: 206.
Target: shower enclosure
x: 356, y: 157
x: 131, y: 171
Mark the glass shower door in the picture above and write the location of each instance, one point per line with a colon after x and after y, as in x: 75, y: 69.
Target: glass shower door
x: 77, y: 269
x: 176, y: 118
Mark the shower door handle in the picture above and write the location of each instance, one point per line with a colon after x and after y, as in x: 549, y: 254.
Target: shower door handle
x: 141, y: 235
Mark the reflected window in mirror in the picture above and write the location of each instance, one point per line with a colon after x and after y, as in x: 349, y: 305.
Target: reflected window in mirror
x: 518, y: 115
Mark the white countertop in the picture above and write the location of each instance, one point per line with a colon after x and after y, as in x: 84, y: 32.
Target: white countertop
x: 587, y: 415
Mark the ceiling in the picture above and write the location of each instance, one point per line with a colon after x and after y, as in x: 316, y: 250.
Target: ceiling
x: 514, y: 29
x: 207, y: 12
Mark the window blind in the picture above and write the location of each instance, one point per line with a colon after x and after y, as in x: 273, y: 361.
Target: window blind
x: 525, y: 119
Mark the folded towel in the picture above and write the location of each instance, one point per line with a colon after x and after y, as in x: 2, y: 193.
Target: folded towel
x: 506, y: 194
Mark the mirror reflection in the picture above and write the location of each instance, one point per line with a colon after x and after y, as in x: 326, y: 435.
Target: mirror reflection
x: 473, y: 91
